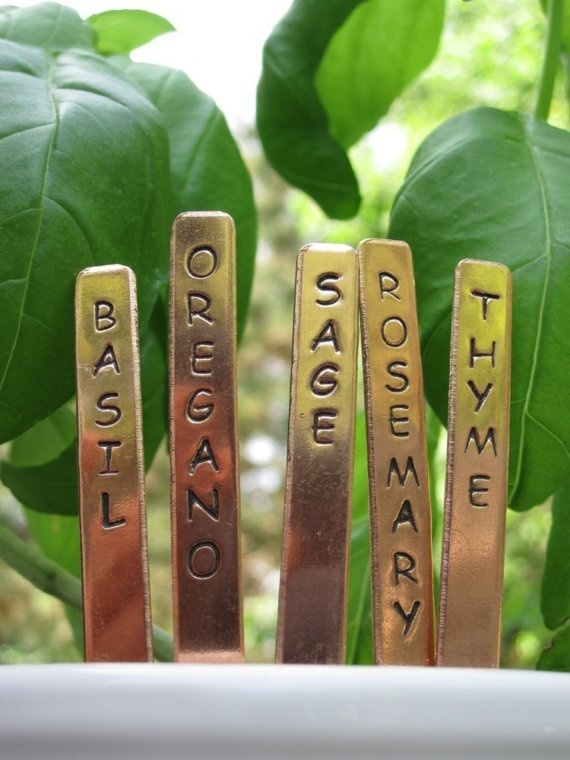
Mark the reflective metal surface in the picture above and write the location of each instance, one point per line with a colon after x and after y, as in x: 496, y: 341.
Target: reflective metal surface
x: 400, y: 518
x: 312, y: 600
x: 477, y: 467
x: 207, y: 594
x: 111, y: 492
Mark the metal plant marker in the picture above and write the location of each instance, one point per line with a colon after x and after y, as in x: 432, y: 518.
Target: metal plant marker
x: 206, y: 565
x: 311, y: 624
x: 400, y: 517
x: 477, y: 467
x: 331, y: 281
x: 116, y: 604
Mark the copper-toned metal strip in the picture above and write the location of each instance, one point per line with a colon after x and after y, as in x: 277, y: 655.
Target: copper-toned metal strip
x: 116, y: 604
x: 400, y: 517
x: 207, y: 595
x: 477, y: 465
x: 312, y: 600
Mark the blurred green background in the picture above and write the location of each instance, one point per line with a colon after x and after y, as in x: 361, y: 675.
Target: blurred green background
x: 481, y: 38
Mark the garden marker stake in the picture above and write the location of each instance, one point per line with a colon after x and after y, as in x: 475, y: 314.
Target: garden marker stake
x: 206, y: 571
x: 477, y: 467
x: 311, y: 625
x: 116, y: 607
x: 400, y: 516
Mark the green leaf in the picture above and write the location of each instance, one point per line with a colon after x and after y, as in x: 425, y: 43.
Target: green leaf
x: 50, y: 26
x: 359, y: 629
x: 494, y: 185
x: 42, y: 471
x: 124, y: 30
x: 208, y: 172
x: 292, y: 122
x: 555, y: 593
x: 557, y: 656
x: 45, y: 441
x: 381, y: 48
x: 84, y: 181
x: 50, y: 487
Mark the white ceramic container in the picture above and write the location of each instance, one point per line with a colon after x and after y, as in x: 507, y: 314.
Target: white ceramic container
x: 167, y: 712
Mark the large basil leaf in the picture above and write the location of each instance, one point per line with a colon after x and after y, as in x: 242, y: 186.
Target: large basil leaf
x: 494, y: 185
x: 208, y: 172
x: 382, y: 47
x: 84, y: 181
x: 292, y: 122
x: 331, y: 69
x: 124, y: 30
x: 50, y: 26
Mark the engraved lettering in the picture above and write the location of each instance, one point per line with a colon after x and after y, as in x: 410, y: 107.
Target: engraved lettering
x: 107, y: 360
x: 405, y: 383
x: 105, y: 509
x: 196, y: 412
x: 323, y: 426
x: 104, y: 406
x: 108, y: 446
x: 404, y: 564
x: 199, y: 306
x: 389, y: 284
x: 327, y: 287
x: 394, y: 332
x: 324, y: 381
x: 475, y: 489
x: 489, y: 438
x: 408, y: 617
x: 202, y: 354
x: 405, y: 515
x: 486, y: 297
x: 202, y: 262
x: 203, y: 455
x: 394, y: 420
x: 327, y: 335
x: 474, y: 354
x: 204, y: 560
x: 195, y: 501
x: 394, y: 469
x: 104, y: 319
x: 480, y: 396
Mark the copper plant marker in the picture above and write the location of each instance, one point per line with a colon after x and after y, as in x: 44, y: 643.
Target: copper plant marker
x: 477, y: 467
x: 111, y: 492
x: 208, y: 619
x: 312, y: 600
x: 400, y: 517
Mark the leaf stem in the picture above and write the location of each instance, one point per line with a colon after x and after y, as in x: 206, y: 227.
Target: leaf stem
x: 551, y: 58
x: 48, y: 576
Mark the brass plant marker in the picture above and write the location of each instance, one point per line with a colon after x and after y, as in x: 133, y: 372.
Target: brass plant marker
x: 477, y: 467
x: 400, y: 517
x: 208, y: 619
x: 116, y: 603
x: 311, y: 624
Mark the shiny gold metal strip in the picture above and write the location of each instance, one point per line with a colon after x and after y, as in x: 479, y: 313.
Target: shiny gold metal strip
x: 400, y: 516
x: 312, y: 600
x: 477, y: 467
x: 208, y: 619
x: 116, y: 603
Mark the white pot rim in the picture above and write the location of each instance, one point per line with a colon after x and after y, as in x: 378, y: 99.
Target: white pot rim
x: 166, y: 712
